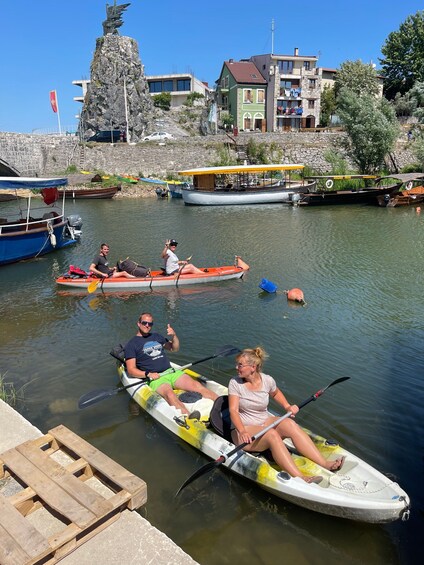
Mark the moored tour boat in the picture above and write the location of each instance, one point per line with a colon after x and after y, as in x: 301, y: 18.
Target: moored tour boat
x: 158, y: 279
x: 41, y: 227
x: 100, y: 192
x: 327, y: 196
x: 357, y: 492
x: 243, y: 184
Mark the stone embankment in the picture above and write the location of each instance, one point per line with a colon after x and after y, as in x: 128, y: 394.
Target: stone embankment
x: 49, y: 155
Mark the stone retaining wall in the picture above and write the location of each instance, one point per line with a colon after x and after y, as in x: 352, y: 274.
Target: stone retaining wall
x: 42, y: 155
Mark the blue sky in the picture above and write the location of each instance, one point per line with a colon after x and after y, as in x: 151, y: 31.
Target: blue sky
x: 46, y: 44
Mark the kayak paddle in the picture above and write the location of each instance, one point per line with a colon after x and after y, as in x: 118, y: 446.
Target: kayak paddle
x: 213, y: 464
x: 181, y: 269
x: 98, y: 395
x: 93, y: 285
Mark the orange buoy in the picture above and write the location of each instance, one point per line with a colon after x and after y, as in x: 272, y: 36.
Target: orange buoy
x: 418, y: 209
x: 296, y: 295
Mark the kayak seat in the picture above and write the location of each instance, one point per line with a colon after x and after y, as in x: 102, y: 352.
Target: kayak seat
x: 219, y: 417
x: 118, y: 353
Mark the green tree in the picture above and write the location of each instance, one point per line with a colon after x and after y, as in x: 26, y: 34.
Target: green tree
x: 192, y: 97
x: 404, y: 105
x: 328, y: 105
x: 358, y: 77
x: 416, y: 98
x: 403, y: 61
x: 227, y: 120
x: 162, y: 100
x: 371, y: 127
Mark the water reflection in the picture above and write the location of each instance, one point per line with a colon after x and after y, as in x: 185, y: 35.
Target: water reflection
x: 364, y: 319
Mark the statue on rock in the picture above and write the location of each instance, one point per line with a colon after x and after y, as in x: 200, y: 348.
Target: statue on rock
x: 113, y: 18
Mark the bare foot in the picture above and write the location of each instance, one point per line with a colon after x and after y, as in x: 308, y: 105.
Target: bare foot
x: 315, y: 479
x: 336, y: 465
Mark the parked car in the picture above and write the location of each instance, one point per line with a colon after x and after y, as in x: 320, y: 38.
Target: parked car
x: 158, y: 136
x: 108, y: 136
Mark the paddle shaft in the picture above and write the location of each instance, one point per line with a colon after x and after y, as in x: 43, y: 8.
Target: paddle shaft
x: 181, y: 270
x: 183, y: 368
x: 271, y: 426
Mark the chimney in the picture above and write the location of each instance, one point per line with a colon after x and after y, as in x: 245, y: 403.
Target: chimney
x: 296, y: 51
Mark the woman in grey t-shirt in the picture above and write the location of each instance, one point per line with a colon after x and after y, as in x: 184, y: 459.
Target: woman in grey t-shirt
x: 248, y: 395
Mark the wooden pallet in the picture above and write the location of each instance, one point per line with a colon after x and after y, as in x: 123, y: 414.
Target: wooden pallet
x: 82, y: 494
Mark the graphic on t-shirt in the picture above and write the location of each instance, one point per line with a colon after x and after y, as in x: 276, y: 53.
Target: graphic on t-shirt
x: 152, y: 349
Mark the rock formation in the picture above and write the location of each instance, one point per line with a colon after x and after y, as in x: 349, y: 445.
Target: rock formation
x: 118, y: 89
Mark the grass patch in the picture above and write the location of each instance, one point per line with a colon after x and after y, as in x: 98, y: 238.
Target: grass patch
x: 8, y: 392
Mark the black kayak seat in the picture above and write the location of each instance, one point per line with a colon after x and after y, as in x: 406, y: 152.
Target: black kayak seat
x: 219, y: 417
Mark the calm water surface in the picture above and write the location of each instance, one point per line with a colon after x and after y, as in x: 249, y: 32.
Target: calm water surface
x: 361, y: 271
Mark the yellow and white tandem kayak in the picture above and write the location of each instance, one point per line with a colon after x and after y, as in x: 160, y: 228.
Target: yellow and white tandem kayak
x: 356, y: 492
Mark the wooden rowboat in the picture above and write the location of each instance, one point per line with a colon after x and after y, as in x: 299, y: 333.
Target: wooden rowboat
x: 102, y: 193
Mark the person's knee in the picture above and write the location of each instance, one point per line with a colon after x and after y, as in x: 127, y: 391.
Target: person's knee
x: 165, y: 391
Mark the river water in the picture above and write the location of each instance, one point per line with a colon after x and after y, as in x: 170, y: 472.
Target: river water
x: 361, y: 271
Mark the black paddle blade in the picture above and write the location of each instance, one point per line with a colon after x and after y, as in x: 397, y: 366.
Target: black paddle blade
x: 337, y: 381
x: 227, y: 350
x: 95, y: 396
x: 202, y: 471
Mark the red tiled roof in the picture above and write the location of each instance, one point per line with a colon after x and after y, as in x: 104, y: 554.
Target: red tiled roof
x: 245, y: 72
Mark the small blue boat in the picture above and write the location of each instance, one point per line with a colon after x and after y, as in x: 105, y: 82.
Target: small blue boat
x: 41, y: 226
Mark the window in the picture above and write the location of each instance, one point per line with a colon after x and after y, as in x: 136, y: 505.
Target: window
x: 247, y: 122
x: 183, y: 84
x: 224, y: 82
x: 247, y: 96
x: 307, y: 65
x: 312, y: 82
x: 155, y: 86
x: 311, y: 104
x: 168, y: 86
x: 285, y: 67
x: 285, y: 83
x: 260, y: 96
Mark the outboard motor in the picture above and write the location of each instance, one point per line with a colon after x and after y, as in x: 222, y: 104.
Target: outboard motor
x: 74, y: 226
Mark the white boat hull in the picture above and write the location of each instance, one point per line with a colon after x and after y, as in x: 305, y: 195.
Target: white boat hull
x: 358, y: 492
x: 230, y: 198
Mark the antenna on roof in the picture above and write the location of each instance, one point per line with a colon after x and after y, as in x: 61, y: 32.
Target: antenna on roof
x: 272, y: 36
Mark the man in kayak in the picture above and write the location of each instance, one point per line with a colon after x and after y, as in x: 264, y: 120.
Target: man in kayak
x: 145, y: 357
x: 248, y: 397
x: 173, y: 265
x: 100, y: 266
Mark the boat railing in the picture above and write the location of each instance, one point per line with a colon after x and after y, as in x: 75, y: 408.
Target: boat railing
x: 49, y: 218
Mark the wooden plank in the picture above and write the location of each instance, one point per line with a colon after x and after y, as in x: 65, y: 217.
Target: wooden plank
x: 85, y: 495
x: 10, y: 552
x: 102, y: 463
x: 24, y: 538
x: 50, y: 492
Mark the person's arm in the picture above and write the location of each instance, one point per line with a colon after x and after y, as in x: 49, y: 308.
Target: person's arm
x: 279, y: 397
x: 174, y: 343
x: 93, y: 269
x: 233, y: 403
x: 134, y: 371
x: 164, y: 253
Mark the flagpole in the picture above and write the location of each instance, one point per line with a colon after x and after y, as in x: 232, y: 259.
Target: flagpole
x: 58, y: 114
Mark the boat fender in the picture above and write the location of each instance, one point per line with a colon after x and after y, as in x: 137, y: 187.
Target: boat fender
x: 51, y: 234
x: 268, y: 286
x: 329, y: 183
x: 408, y: 185
x: 296, y: 295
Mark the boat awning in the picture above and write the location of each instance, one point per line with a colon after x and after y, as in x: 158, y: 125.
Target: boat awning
x: 341, y: 177
x: 237, y: 169
x: 12, y: 183
x: 404, y: 177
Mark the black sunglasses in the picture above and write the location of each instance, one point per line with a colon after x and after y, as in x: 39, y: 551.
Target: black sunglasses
x: 144, y: 323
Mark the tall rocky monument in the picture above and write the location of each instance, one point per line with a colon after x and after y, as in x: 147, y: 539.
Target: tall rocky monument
x: 118, y: 94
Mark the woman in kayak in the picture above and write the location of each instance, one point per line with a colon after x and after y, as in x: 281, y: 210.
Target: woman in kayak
x: 248, y: 395
x: 173, y: 265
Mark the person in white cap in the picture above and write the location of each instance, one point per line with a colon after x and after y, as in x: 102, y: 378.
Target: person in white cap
x: 173, y: 265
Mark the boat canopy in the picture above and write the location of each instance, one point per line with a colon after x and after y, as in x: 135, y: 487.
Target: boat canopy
x: 241, y: 169
x: 341, y: 177
x: 12, y: 183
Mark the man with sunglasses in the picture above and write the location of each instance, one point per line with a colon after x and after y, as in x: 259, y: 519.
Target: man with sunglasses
x: 145, y: 358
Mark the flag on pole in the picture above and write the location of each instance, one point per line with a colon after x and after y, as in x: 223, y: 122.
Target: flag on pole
x: 53, y: 100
